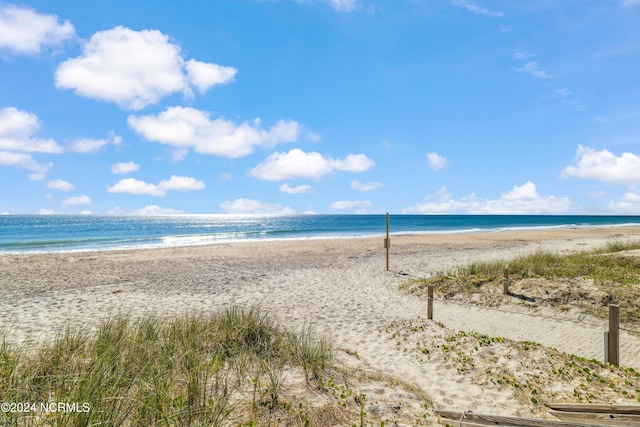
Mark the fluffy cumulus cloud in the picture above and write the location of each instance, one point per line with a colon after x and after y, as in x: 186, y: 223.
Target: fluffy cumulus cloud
x: 189, y: 128
x: 76, y: 201
x: 16, y: 133
x: 8, y: 158
x: 175, y: 183
x: 124, y: 167
x: 204, y: 75
x: 365, y: 186
x: 135, y: 68
x: 629, y: 204
x: 299, y: 189
x: 523, y: 199
x: 250, y: 206
x: 25, y: 31
x: 62, y: 185
x: 436, y: 161
x: 604, y: 166
x: 296, y: 163
x: 17, y: 142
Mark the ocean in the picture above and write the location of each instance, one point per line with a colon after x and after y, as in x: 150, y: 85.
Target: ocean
x: 64, y: 233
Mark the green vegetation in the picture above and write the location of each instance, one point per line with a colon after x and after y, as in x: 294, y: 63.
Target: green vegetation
x: 613, y: 275
x: 601, y: 265
x: 237, y: 368
x: 195, y: 370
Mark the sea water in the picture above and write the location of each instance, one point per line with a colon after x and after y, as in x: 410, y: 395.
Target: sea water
x: 62, y: 233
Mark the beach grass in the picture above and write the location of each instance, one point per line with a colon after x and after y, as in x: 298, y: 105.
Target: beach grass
x: 237, y: 367
x: 613, y: 274
x: 192, y: 370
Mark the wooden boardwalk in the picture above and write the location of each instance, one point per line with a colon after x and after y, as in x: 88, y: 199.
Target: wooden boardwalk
x: 570, y: 414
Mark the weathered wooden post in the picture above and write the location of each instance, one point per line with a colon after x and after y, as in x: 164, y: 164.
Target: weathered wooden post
x: 430, y: 302
x: 613, y: 336
x: 505, y: 281
x: 387, y: 242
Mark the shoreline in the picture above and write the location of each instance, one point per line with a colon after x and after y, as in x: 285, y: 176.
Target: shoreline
x: 200, y: 240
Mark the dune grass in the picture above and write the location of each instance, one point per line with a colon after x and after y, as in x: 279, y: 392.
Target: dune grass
x: 194, y: 370
x: 601, y: 265
x: 614, y: 274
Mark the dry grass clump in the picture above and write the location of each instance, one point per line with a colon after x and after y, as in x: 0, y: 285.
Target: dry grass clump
x: 588, y: 280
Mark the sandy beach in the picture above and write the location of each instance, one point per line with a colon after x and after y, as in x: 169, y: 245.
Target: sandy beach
x: 339, y: 286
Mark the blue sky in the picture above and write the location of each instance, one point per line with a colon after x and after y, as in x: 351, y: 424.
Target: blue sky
x: 326, y: 106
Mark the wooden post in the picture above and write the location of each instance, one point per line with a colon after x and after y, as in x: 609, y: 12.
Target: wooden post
x: 614, y: 335
x: 387, y: 242
x: 430, y: 302
x: 505, y: 281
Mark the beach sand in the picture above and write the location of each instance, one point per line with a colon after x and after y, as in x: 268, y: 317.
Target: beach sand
x: 339, y: 286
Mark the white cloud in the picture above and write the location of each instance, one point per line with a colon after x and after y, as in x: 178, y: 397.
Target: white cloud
x: 534, y: 69
x: 628, y: 204
x: 124, y: 167
x: 436, y: 161
x: 156, y: 210
x: 474, y: 8
x: 76, y: 201
x: 22, y: 160
x: 183, y: 127
x: 175, y: 183
x: 89, y: 145
x: 250, y: 206
x: 352, y: 163
x: 299, y: 164
x: 181, y: 183
x: 350, y: 204
x: 299, y: 189
x: 25, y: 31
x: 62, y: 185
x: 631, y: 2
x: 204, y: 76
x: 16, y: 130
x: 135, y: 186
x: 365, y: 186
x: 134, y: 69
x: 604, y: 166
x: 522, y: 199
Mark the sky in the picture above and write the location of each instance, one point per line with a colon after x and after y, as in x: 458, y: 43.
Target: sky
x: 320, y: 106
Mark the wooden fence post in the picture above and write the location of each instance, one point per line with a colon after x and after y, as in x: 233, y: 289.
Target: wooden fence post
x: 505, y: 281
x: 387, y: 242
x: 613, y: 336
x: 430, y: 302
